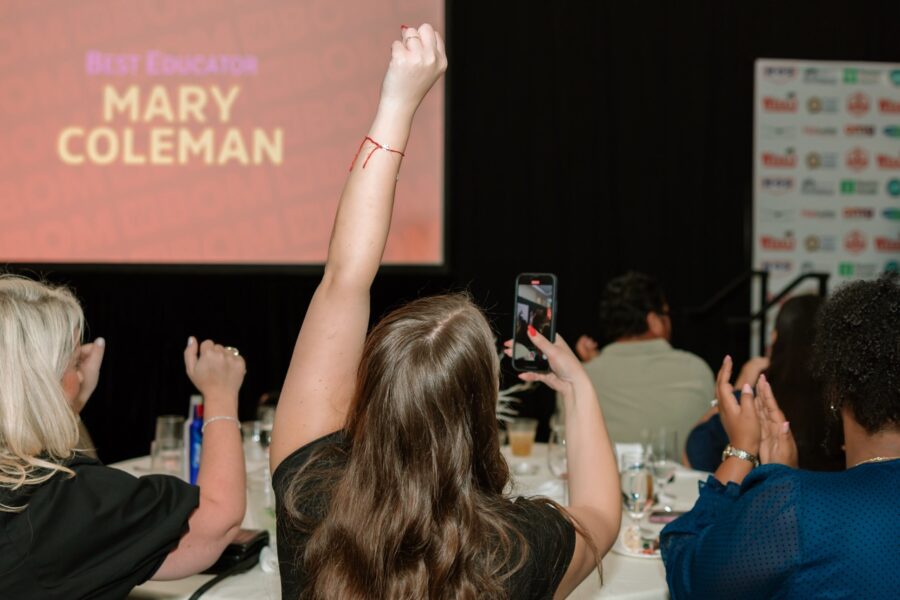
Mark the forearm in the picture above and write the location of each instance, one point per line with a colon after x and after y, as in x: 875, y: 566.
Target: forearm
x: 592, y: 469
x: 215, y: 522
x: 364, y: 212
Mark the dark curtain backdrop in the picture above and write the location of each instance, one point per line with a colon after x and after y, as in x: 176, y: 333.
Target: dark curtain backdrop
x: 583, y: 138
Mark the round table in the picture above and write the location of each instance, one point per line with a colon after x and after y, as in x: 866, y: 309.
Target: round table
x: 624, y: 577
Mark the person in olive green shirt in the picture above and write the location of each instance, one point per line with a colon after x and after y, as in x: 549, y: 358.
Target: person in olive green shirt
x: 641, y: 381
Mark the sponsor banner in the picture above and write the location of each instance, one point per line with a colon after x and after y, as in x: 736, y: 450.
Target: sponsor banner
x: 826, y: 170
x: 817, y: 187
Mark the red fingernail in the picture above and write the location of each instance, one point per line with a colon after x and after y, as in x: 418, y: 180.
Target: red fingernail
x: 532, y: 331
x: 402, y: 27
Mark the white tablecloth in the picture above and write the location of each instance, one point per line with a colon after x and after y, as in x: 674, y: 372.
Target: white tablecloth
x: 624, y: 577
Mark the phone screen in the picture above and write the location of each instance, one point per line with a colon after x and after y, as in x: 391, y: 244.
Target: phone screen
x: 535, y: 306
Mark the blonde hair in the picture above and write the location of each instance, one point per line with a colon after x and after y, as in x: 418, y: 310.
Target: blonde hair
x: 40, y: 326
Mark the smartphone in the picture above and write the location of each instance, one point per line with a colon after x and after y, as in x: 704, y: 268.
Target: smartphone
x: 535, y: 306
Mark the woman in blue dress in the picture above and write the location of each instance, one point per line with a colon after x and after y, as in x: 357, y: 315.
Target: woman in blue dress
x: 774, y: 531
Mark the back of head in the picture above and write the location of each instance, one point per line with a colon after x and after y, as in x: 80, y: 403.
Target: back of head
x: 424, y: 476
x: 625, y: 303
x: 799, y: 394
x: 795, y: 329
x: 857, y: 351
x: 39, y: 325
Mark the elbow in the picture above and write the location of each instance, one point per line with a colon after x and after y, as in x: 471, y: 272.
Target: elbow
x: 222, y: 518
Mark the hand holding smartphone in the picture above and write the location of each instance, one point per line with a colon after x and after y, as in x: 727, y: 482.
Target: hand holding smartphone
x: 534, y: 307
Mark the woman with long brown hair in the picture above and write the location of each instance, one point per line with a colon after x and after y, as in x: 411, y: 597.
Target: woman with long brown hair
x: 385, y: 455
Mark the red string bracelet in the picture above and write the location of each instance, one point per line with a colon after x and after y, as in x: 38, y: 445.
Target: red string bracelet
x: 377, y: 147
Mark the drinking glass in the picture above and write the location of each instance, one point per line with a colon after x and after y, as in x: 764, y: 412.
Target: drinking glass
x: 521, y: 432
x: 662, y: 458
x: 556, y: 458
x: 266, y: 417
x: 637, y: 487
x: 167, y: 449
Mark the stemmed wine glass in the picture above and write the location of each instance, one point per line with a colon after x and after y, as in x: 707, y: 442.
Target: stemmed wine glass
x: 662, y: 458
x: 637, y: 487
x: 556, y: 458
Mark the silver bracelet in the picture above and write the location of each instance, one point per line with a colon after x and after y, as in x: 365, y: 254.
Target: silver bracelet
x: 220, y: 418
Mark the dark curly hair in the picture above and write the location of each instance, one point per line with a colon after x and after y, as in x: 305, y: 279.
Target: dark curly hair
x: 856, y: 353
x: 625, y: 302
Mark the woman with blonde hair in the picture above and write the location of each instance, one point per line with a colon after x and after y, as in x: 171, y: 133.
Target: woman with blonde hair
x: 386, y: 461
x: 73, y: 528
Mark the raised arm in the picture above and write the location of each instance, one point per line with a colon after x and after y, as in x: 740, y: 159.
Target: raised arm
x: 217, y: 373
x: 321, y: 378
x: 594, y: 492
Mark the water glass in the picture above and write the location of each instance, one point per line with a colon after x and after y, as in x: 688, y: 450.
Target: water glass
x: 637, y: 487
x: 662, y: 459
x: 167, y: 449
x: 557, y: 460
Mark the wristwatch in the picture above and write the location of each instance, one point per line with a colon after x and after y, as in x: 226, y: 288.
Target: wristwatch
x: 738, y: 453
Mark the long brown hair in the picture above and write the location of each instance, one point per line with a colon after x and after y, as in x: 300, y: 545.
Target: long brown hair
x: 416, y: 506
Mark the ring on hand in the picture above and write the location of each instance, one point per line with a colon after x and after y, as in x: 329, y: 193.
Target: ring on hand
x: 233, y: 350
x: 411, y: 37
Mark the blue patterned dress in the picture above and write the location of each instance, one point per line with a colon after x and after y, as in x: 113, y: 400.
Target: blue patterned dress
x: 786, y: 533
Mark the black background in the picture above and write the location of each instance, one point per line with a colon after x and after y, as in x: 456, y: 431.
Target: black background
x: 583, y: 138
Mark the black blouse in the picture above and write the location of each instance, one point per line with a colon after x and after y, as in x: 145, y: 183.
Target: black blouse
x: 95, y: 535
x: 549, y: 535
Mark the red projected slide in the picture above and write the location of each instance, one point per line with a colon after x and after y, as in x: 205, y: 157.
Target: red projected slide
x: 201, y: 131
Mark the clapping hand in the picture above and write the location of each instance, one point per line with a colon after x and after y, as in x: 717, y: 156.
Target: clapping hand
x: 777, y: 443
x: 740, y: 419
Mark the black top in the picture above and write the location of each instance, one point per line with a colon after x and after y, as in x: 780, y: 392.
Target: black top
x: 95, y: 535
x: 550, y: 536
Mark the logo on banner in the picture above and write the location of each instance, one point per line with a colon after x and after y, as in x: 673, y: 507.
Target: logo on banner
x: 859, y: 130
x: 776, y: 215
x: 892, y: 266
x: 894, y: 76
x: 809, y: 213
x: 811, y: 187
x: 855, y: 242
x: 774, y: 104
x: 819, y: 131
x: 892, y: 214
x: 777, y: 185
x: 892, y: 131
x: 775, y: 132
x: 886, y: 244
x: 816, y: 105
x: 851, y: 269
x: 858, y: 104
x: 886, y: 161
x: 821, y: 160
x: 859, y: 187
x: 779, y: 74
x: 863, y: 76
x: 773, y: 160
x: 857, y: 159
x: 888, y: 106
x: 893, y: 187
x: 778, y: 244
x: 819, y: 243
x: 777, y: 266
x: 821, y: 76
x: 856, y: 212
